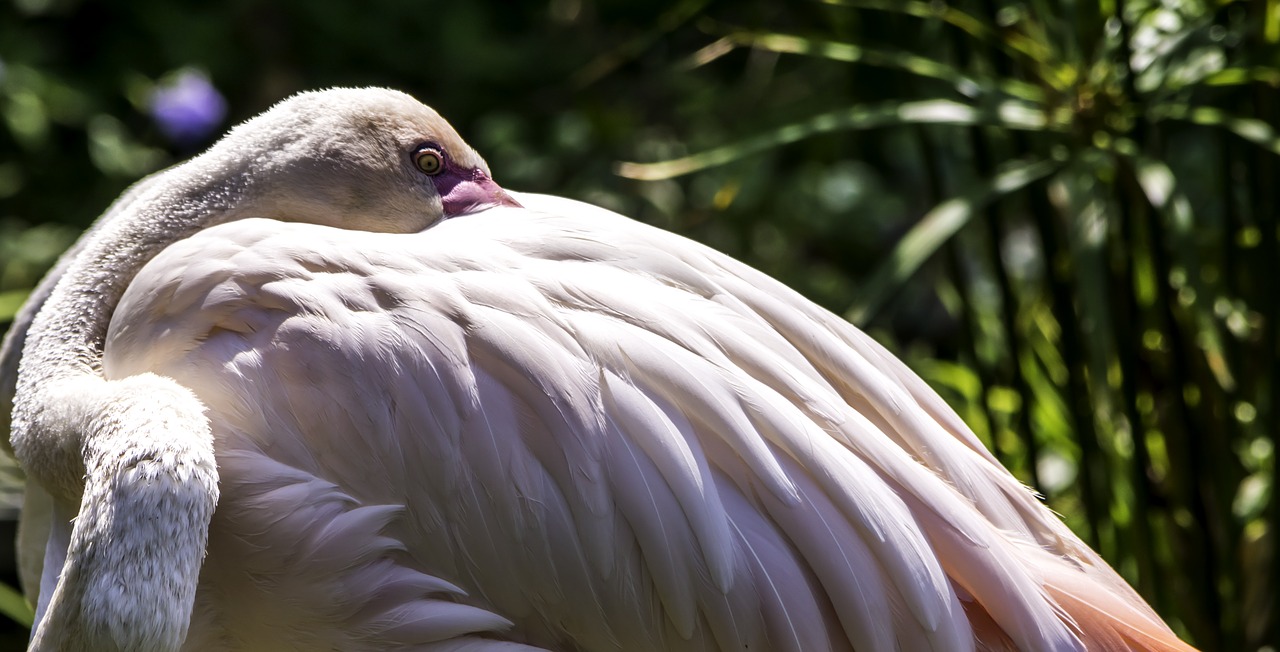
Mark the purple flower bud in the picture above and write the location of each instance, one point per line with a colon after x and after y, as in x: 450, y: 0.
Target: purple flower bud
x: 187, y: 108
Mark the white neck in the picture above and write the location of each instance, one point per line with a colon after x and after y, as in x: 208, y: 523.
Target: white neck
x: 65, y: 338
x: 135, y: 455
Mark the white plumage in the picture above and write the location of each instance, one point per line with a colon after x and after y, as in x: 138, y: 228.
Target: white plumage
x: 540, y: 424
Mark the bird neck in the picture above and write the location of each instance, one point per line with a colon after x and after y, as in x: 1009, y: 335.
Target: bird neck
x: 65, y: 339
x: 16, y: 338
x: 132, y: 459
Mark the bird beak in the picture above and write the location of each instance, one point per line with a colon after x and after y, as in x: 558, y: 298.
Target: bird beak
x: 470, y: 191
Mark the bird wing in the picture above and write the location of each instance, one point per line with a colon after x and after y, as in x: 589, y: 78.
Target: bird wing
x: 599, y: 433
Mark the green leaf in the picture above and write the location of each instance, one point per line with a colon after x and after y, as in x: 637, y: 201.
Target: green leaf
x: 1244, y: 75
x: 11, y: 302
x: 935, y: 228
x: 1250, y: 129
x: 968, y: 85
x: 1045, y: 371
x: 1009, y: 114
x: 1013, y: 42
x: 14, y: 605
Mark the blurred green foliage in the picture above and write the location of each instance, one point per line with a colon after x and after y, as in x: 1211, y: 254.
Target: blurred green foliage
x: 1062, y: 213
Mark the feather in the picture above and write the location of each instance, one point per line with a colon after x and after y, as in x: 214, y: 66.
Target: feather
x: 675, y: 453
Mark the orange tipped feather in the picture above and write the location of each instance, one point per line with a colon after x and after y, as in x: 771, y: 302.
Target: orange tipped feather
x: 1106, y: 619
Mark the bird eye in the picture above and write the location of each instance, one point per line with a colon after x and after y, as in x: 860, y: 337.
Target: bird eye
x: 429, y: 160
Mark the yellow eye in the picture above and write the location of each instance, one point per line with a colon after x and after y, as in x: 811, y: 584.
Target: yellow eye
x: 429, y: 160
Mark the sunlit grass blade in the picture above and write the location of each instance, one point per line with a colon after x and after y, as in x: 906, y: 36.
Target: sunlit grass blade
x: 15, y: 607
x: 1012, y: 42
x: 1237, y: 76
x: 1009, y: 115
x: 1251, y: 129
x: 935, y: 228
x: 10, y: 303
x: 634, y: 47
x: 966, y: 84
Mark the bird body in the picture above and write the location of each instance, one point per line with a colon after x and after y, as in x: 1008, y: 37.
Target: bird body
x: 510, y: 422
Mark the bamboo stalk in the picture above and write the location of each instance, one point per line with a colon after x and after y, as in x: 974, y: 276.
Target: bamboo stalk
x: 1009, y: 368
x: 993, y: 222
x: 1125, y: 306
x: 1182, y: 427
x: 1262, y: 185
x: 969, y: 333
x: 1094, y: 498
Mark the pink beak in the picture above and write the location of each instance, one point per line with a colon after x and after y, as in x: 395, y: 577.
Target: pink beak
x: 470, y: 191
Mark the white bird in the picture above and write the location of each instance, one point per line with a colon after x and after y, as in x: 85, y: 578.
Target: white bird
x: 328, y: 386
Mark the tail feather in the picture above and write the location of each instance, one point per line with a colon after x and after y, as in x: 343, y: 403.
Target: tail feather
x: 1105, y: 620
x: 1100, y: 610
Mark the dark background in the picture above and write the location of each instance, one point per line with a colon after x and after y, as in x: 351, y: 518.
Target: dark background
x: 1061, y: 213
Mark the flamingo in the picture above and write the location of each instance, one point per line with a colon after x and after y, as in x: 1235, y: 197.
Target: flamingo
x: 328, y: 386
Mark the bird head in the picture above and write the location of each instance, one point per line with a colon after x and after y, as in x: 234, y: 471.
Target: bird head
x: 366, y: 159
